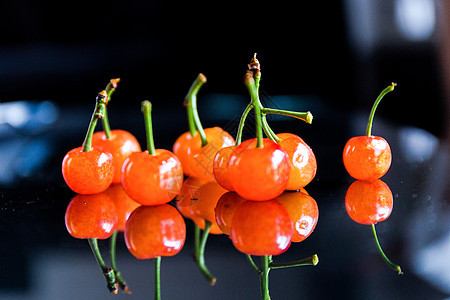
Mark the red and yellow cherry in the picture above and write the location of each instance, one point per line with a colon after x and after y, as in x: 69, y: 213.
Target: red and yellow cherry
x: 259, y: 173
x: 221, y: 169
x: 154, y: 176
x: 91, y: 216
x: 155, y: 231
x: 303, y: 211
x: 124, y: 204
x: 89, y: 169
x: 225, y: 209
x: 368, y: 201
x: 368, y: 157
x: 120, y: 144
x: 302, y: 159
x: 261, y: 228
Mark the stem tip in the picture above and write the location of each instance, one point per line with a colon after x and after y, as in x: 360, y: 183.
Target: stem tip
x: 202, y: 78
x: 146, y: 106
x: 315, y: 260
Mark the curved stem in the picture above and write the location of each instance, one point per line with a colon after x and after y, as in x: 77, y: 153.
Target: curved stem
x: 253, y: 264
x: 112, y: 255
x: 250, y: 83
x: 158, y: 278
x: 269, y: 132
x: 375, y: 105
x: 385, y: 258
x: 107, y: 272
x: 146, y: 108
x: 304, y: 116
x: 110, y: 89
x: 200, y: 255
x: 191, y: 104
x: 264, y: 276
x: 309, y: 261
x: 99, y: 112
x: 242, y: 123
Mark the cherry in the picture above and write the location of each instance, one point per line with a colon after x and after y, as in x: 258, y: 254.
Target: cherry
x: 221, y: 169
x: 124, y: 204
x: 225, y: 209
x: 259, y: 172
x: 261, y: 228
x: 93, y: 217
x: 89, y: 169
x: 369, y: 202
x: 302, y: 159
x: 154, y: 176
x: 303, y: 211
x: 368, y: 157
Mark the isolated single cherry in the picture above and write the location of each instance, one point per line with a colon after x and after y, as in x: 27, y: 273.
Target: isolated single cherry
x: 89, y: 169
x: 368, y: 157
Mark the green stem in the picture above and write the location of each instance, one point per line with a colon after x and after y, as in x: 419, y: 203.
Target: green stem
x: 158, y: 278
x: 146, y: 108
x: 250, y: 83
x: 385, y: 258
x: 99, y: 112
x: 110, y: 89
x: 253, y: 264
x: 107, y: 272
x: 268, y: 131
x: 242, y: 123
x: 304, y: 116
x: 264, y: 276
x: 200, y: 255
x: 388, y: 89
x: 191, y: 104
x: 309, y: 261
x: 112, y: 254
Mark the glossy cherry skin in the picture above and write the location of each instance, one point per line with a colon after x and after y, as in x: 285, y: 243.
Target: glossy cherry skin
x: 303, y: 211
x: 182, y: 149
x: 197, y: 201
x: 154, y: 231
x: 225, y: 209
x: 368, y: 201
x: 261, y: 228
x: 120, y: 145
x: 124, y: 204
x: 91, y: 216
x: 302, y: 159
x: 259, y: 173
x: 367, y: 158
x: 152, y: 179
x: 201, y: 159
x: 89, y: 172
x: 221, y: 168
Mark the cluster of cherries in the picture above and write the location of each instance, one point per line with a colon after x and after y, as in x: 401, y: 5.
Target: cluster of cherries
x: 367, y: 158
x: 252, y: 190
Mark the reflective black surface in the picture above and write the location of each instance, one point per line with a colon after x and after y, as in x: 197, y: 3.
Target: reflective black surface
x: 40, y: 260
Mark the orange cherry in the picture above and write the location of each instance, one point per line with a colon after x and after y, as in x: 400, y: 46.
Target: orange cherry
x: 303, y: 211
x: 155, y: 231
x: 124, y: 204
x: 225, y: 209
x: 261, y: 228
x: 91, y: 216
x: 259, y: 173
x: 120, y: 144
x: 181, y: 148
x: 221, y: 167
x: 302, y: 159
x: 369, y: 201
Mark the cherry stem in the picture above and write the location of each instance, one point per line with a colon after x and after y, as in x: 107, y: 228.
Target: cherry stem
x: 268, y: 131
x: 304, y: 116
x: 253, y: 264
x: 250, y: 83
x: 242, y: 123
x: 388, y: 89
x: 309, y: 261
x: 191, y: 106
x: 99, y: 112
x: 200, y: 253
x: 385, y: 258
x: 264, y: 276
x: 112, y: 254
x: 146, y: 108
x: 110, y: 89
x: 157, y: 275
x: 107, y: 272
